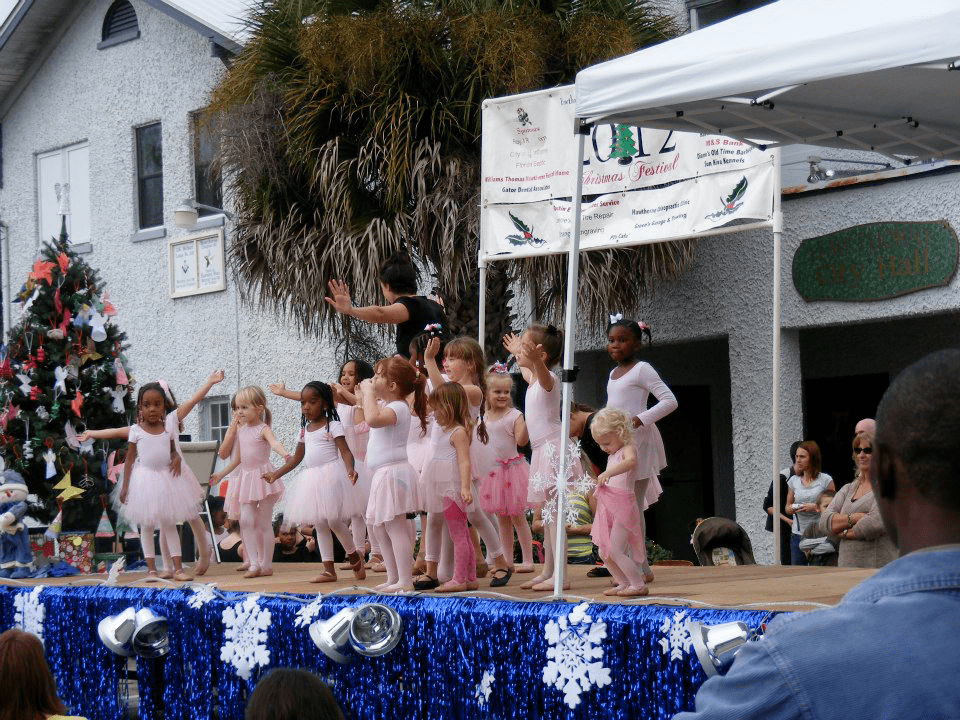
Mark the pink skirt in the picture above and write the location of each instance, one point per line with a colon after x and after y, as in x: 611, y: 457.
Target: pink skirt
x: 393, y: 492
x: 251, y: 487
x: 616, y: 506
x: 318, y: 495
x: 358, y: 493
x: 157, y: 496
x: 440, y: 481
x: 504, y: 490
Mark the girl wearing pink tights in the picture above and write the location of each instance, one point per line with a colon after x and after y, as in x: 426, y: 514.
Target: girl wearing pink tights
x: 447, y: 482
x: 255, y: 493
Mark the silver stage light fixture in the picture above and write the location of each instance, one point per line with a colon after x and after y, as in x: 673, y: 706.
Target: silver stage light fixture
x: 371, y: 629
x: 116, y: 632
x: 716, y: 645
x: 150, y: 639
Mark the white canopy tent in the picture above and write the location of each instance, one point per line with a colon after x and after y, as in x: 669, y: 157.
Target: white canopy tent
x: 863, y: 74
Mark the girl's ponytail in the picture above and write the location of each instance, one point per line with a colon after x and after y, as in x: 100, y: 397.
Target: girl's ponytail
x: 420, y: 401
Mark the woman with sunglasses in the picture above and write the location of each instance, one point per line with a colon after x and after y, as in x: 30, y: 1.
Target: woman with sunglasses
x: 804, y: 487
x: 855, y: 517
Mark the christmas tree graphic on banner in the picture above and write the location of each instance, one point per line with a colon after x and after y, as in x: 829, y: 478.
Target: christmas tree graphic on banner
x: 62, y: 371
x: 623, y: 146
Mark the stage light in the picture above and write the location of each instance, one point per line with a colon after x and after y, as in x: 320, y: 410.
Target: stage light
x: 375, y: 629
x: 141, y: 632
x: 370, y: 629
x: 716, y: 645
x: 332, y: 635
x: 150, y: 638
x: 116, y: 632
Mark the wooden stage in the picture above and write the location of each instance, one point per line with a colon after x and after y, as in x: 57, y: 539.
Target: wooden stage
x: 760, y: 587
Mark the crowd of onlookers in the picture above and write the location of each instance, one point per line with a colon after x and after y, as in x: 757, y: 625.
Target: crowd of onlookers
x: 822, y: 525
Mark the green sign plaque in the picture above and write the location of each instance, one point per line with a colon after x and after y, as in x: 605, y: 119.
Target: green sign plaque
x: 876, y: 261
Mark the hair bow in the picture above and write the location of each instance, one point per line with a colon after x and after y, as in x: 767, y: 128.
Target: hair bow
x: 643, y: 325
x: 500, y: 368
x: 166, y: 390
x: 433, y: 328
x: 615, y: 317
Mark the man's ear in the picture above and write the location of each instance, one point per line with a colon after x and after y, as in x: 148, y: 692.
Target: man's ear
x: 885, y: 472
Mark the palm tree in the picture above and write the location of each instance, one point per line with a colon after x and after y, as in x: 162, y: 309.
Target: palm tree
x: 352, y: 131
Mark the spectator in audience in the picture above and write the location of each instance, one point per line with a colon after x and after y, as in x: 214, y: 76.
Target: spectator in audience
x: 231, y: 546
x: 27, y: 689
x: 890, y: 634
x: 289, y: 694
x: 854, y: 515
x: 804, y: 487
x: 291, y: 546
x: 786, y: 522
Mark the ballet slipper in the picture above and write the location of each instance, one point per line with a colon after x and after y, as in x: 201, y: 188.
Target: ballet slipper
x: 523, y: 568
x: 253, y: 572
x: 345, y: 566
x: 482, y: 568
x: 473, y: 585
x: 356, y: 564
x: 382, y: 587
x: 634, y: 591
x: 648, y: 577
x: 164, y: 574
x: 547, y: 585
x: 378, y: 568
x: 452, y: 586
x: 182, y: 575
x: 420, y: 567
x: 533, y: 581
x: 501, y: 576
x: 266, y: 572
x: 243, y: 567
x: 203, y: 564
x: 325, y: 577
x: 614, y: 590
x: 374, y: 560
x: 398, y: 588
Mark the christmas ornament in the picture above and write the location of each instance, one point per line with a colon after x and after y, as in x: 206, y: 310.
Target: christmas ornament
x: 49, y: 457
x: 113, y: 470
x: 108, y: 310
x: 64, y: 262
x: 56, y: 334
x: 121, y: 374
x: 25, y: 386
x: 98, y: 332
x: 29, y: 303
x: 118, y: 394
x: 104, y: 527
x: 76, y: 404
x: 60, y: 384
x: 41, y: 271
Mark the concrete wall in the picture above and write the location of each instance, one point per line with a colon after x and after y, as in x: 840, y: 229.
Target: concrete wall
x: 81, y: 93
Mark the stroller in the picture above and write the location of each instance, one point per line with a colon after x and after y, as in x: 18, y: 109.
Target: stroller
x: 719, y: 541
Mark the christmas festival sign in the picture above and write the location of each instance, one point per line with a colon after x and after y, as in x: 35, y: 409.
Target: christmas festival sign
x: 654, y: 185
x: 876, y: 261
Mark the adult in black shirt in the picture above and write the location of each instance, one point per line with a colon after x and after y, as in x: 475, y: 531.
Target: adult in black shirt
x: 410, y: 312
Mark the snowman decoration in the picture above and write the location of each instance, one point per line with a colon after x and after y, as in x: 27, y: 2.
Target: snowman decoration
x: 16, y: 560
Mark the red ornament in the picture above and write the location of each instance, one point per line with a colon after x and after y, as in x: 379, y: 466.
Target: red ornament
x: 77, y: 403
x: 41, y: 271
x: 35, y: 392
x: 29, y: 363
x: 41, y: 354
x: 64, y: 262
x: 5, y: 370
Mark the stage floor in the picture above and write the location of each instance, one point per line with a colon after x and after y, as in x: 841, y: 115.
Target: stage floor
x: 765, y: 587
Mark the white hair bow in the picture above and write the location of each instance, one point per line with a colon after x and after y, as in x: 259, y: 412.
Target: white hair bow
x: 615, y: 317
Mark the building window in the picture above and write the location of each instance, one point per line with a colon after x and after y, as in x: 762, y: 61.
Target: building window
x: 708, y: 12
x: 214, y: 418
x: 58, y: 171
x: 206, y: 139
x: 119, y: 25
x: 150, y: 175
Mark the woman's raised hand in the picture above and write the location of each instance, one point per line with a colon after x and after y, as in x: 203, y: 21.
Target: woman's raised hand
x: 339, y: 298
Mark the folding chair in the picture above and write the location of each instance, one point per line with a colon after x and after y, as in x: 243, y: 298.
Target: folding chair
x: 201, y: 457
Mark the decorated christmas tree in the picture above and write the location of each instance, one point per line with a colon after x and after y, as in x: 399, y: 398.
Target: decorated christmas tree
x: 62, y: 371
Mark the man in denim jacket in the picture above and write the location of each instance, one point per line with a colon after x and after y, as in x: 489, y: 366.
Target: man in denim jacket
x: 891, y: 647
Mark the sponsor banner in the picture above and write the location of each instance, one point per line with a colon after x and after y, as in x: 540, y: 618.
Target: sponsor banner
x: 630, y: 218
x: 529, y: 152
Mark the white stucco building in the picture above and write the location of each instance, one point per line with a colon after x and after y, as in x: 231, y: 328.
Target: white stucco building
x: 75, y: 107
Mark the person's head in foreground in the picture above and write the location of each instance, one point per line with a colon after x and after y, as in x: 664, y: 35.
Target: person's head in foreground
x: 291, y: 694
x: 27, y: 689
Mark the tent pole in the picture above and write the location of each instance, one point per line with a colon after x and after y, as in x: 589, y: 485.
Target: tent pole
x: 568, y: 375
x: 482, y: 301
x: 777, y: 233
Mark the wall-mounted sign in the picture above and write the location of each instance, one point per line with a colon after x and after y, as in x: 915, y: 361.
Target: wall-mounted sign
x: 876, y: 261
x: 196, y: 263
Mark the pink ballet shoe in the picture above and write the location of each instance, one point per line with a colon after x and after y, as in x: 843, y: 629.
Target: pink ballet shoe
x: 253, y: 572
x: 648, y: 577
x: 243, y: 567
x: 614, y: 590
x: 524, y: 568
x: 182, y: 576
x: 528, y: 585
x: 634, y: 591
x: 165, y: 575
x: 325, y: 577
x: 203, y: 564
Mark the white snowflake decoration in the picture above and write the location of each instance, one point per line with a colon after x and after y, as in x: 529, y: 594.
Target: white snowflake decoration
x: 202, y: 594
x: 245, y: 631
x: 484, y: 687
x: 676, y: 635
x: 29, y: 612
x: 309, y: 612
x: 581, y: 483
x: 574, y: 660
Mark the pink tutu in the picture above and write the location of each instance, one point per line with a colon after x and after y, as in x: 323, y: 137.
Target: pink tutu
x: 440, y: 481
x: 616, y: 506
x: 418, y: 449
x: 358, y: 494
x: 318, y: 494
x: 393, y: 492
x: 251, y: 487
x: 504, y: 490
x: 156, y: 496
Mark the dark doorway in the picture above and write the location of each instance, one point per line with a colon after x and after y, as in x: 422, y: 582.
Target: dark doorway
x: 832, y: 408
x: 688, y: 478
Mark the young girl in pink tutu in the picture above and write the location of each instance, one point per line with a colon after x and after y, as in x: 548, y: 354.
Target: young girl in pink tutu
x: 463, y: 364
x: 320, y: 497
x: 152, y: 493
x: 447, y: 482
x: 504, y: 472
x: 256, y: 495
x: 630, y: 385
x: 616, y: 524
x: 393, y: 483
x: 536, y: 351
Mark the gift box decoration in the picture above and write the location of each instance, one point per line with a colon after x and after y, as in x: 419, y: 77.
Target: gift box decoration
x: 77, y: 549
x: 41, y: 547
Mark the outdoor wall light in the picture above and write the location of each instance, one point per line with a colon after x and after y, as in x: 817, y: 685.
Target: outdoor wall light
x: 185, y: 216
